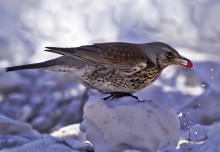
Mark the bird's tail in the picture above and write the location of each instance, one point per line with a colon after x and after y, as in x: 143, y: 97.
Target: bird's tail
x: 43, y: 65
x: 54, y: 64
x: 28, y: 66
x: 63, y: 51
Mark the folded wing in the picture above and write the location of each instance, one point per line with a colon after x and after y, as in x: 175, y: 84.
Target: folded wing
x: 118, y: 54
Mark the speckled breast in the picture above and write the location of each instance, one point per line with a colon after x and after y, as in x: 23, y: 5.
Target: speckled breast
x: 108, y: 80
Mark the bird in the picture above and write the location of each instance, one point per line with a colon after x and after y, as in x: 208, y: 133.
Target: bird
x: 116, y: 68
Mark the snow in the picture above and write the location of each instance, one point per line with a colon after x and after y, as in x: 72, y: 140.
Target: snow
x: 48, y: 101
x: 209, y: 145
x: 117, y: 125
x: 70, y: 131
x: 20, y: 137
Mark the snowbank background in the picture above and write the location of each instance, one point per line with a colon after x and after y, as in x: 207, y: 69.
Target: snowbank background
x: 49, y: 100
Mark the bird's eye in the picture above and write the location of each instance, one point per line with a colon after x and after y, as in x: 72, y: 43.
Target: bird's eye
x: 170, y: 55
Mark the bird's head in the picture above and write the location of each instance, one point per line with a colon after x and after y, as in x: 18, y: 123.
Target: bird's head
x: 163, y: 55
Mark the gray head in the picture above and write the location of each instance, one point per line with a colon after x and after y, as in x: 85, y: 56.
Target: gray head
x: 164, y: 55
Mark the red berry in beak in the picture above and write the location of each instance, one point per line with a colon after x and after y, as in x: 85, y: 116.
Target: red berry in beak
x: 184, y: 62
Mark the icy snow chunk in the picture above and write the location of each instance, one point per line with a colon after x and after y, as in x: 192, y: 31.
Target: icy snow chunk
x: 70, y: 131
x: 14, y: 133
x: 207, y: 136
x: 18, y: 136
x: 12, y: 127
x: 49, y: 144
x: 12, y: 81
x: 196, y: 111
x: 125, y: 124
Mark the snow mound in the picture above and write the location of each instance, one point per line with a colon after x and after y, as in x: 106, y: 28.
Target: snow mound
x: 18, y: 136
x: 121, y: 125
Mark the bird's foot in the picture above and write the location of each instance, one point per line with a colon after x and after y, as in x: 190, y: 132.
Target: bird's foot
x: 116, y: 95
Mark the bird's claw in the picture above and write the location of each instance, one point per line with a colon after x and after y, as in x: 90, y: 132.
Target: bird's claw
x: 118, y: 95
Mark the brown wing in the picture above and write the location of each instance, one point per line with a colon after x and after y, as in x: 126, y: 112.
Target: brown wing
x: 117, y: 54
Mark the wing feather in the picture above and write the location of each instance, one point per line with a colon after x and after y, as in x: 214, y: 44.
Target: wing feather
x: 117, y: 54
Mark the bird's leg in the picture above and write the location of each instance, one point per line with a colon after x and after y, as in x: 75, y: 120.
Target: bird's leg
x: 116, y: 95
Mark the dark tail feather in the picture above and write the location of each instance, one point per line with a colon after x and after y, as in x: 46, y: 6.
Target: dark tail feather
x: 64, y: 61
x: 63, y: 51
x: 28, y: 66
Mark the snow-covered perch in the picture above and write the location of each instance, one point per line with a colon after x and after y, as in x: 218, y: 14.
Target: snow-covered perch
x: 125, y: 123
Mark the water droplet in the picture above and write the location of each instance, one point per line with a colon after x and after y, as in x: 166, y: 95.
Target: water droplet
x: 211, y: 69
x: 203, y: 85
x: 190, y: 121
x: 196, y: 132
x: 180, y: 114
x: 212, y: 77
x: 188, y: 112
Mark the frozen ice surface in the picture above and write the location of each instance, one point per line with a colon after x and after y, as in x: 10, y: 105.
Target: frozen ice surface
x: 37, y: 93
x: 70, y: 131
x: 211, y: 144
x: 125, y: 123
x: 20, y: 137
x: 204, y: 109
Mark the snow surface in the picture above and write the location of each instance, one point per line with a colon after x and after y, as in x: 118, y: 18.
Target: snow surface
x: 49, y: 100
x: 20, y: 137
x: 126, y: 124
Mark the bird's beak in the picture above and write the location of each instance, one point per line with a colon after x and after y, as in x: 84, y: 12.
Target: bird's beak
x: 183, y: 62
